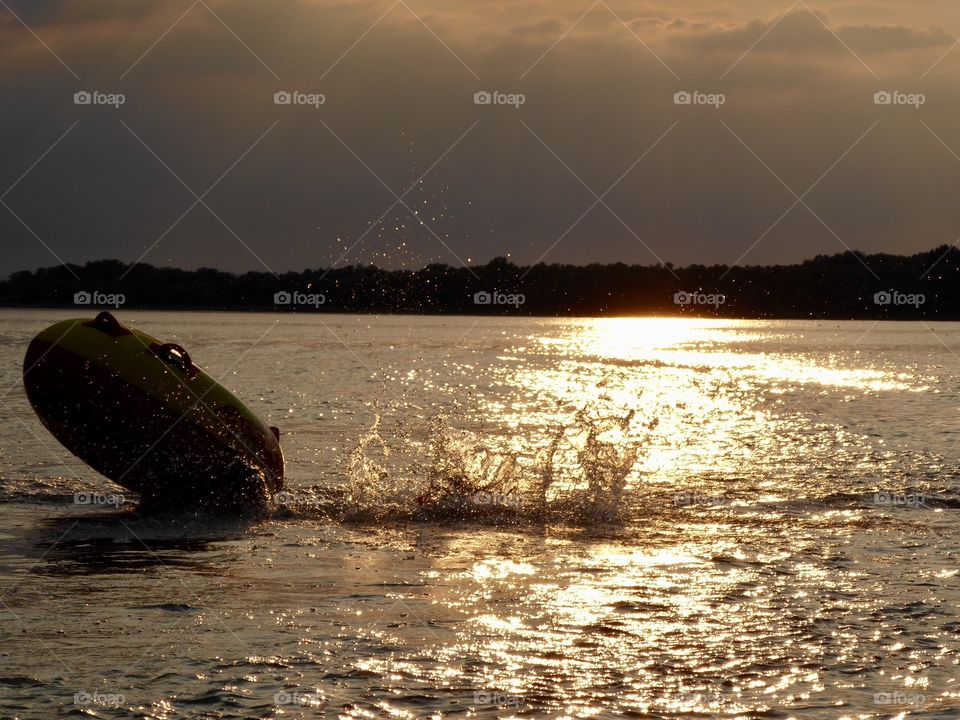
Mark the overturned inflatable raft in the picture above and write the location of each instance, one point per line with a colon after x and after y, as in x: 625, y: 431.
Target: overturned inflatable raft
x: 144, y: 415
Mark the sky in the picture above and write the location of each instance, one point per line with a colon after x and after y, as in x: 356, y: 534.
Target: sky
x: 812, y: 128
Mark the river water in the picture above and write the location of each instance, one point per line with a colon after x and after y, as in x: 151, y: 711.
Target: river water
x: 511, y: 517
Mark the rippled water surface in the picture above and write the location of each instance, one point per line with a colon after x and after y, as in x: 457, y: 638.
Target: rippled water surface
x: 511, y: 518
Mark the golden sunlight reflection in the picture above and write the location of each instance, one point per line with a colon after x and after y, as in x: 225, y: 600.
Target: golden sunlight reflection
x: 499, y: 569
x: 731, y: 525
x: 705, y: 596
x: 713, y: 387
x: 706, y: 345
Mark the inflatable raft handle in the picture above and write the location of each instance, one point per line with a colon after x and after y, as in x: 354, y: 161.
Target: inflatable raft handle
x: 108, y: 324
x: 176, y: 356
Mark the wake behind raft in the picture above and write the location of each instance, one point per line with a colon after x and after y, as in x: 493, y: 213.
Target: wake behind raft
x: 141, y: 413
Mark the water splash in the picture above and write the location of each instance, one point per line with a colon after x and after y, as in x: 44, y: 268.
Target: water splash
x: 578, y: 472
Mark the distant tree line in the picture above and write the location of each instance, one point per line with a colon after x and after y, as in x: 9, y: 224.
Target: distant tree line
x: 846, y: 285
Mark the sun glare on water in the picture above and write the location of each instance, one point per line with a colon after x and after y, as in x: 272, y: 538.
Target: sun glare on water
x: 713, y: 386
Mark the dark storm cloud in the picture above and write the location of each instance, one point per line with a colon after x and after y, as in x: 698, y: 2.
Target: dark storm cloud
x: 401, y: 98
x: 41, y: 14
x: 891, y: 38
x: 541, y: 28
x: 811, y: 33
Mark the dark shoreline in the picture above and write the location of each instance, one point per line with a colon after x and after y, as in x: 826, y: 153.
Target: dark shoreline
x: 845, y: 286
x: 91, y: 311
